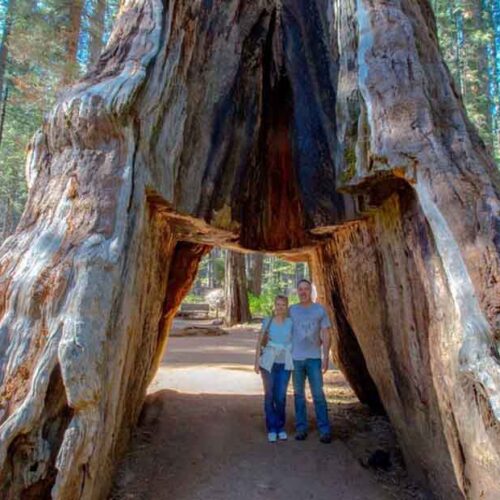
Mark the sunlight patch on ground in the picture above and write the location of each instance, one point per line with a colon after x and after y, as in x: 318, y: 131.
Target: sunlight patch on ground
x: 208, y: 379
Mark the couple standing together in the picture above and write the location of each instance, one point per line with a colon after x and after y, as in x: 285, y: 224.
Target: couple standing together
x: 294, y: 340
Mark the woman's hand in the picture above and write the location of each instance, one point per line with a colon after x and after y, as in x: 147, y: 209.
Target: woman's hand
x: 325, y: 362
x: 256, y: 367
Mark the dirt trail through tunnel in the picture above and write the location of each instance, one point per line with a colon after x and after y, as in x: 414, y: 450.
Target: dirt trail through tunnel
x: 201, y: 436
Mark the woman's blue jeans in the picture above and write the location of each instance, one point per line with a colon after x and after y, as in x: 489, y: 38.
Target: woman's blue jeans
x: 275, y: 387
x: 310, y: 369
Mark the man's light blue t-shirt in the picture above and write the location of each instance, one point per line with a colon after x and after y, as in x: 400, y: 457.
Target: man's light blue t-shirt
x: 306, y: 333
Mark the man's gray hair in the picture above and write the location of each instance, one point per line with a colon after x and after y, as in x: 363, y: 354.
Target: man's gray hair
x: 304, y: 280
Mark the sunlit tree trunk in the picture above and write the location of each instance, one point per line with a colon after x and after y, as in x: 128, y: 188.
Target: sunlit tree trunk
x: 255, y: 269
x: 235, y: 285
x: 72, y: 37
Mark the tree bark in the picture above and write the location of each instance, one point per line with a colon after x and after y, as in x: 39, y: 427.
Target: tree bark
x: 422, y: 239
x: 235, y: 289
x: 180, y: 133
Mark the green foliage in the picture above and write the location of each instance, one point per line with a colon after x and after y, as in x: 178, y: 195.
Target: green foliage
x: 191, y: 298
x: 261, y: 305
x: 469, y: 35
x: 278, y: 277
x: 211, y: 271
x: 218, y: 269
x: 350, y: 165
x: 35, y: 66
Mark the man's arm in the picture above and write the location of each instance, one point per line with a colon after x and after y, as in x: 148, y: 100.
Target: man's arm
x: 326, y: 342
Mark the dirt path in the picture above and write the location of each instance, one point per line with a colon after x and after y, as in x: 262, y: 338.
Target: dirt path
x: 201, y: 436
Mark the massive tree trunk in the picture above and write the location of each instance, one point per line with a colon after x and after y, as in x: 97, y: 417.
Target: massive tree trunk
x: 235, y: 289
x: 416, y: 277
x: 330, y: 128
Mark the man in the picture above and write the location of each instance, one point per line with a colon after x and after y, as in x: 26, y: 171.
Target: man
x: 310, y: 351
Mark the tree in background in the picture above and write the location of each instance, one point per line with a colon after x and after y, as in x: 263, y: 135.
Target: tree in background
x: 469, y: 33
x: 4, y: 48
x: 71, y: 32
x: 210, y: 272
x: 236, y: 289
x: 275, y: 276
x: 97, y: 29
x: 255, y: 267
x: 45, y: 44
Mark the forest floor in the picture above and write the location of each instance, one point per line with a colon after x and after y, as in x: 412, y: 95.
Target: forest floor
x: 201, y: 435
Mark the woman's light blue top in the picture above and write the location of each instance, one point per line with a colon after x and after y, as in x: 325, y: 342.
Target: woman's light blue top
x: 279, y: 334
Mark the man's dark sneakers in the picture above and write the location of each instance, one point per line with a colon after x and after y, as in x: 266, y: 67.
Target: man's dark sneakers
x: 325, y: 438
x: 301, y: 436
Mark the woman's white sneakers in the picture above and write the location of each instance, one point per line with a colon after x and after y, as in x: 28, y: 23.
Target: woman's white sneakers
x: 282, y: 436
x: 272, y: 437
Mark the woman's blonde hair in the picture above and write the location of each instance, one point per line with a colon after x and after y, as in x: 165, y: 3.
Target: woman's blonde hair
x: 279, y: 297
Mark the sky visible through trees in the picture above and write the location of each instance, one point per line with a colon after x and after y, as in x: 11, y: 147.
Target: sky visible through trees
x: 47, y: 44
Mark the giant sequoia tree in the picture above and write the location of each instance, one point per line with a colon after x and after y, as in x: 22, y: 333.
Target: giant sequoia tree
x: 327, y: 127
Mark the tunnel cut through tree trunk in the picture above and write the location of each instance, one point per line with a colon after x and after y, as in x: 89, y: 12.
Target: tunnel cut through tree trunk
x: 204, y: 122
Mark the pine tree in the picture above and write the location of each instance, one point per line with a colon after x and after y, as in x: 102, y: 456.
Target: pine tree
x: 469, y: 32
x: 97, y: 28
x: 44, y: 45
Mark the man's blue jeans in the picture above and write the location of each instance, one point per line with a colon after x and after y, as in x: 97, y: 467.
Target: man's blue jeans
x: 275, y: 386
x: 310, y: 369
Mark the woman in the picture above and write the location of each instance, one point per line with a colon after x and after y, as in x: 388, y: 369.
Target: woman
x: 273, y: 359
